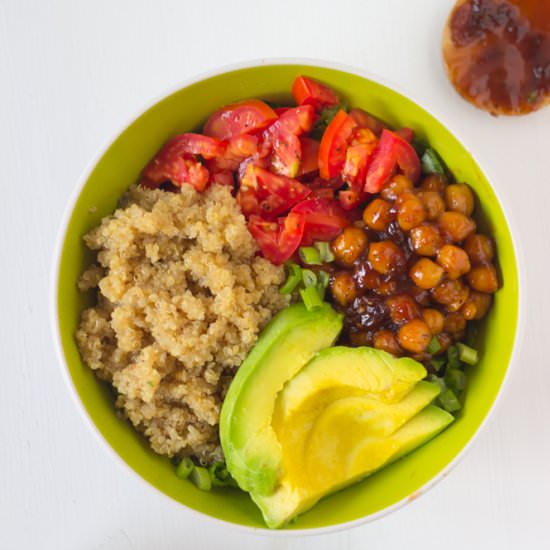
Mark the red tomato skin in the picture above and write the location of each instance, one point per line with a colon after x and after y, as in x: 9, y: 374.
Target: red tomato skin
x: 324, y: 219
x: 332, y: 150
x: 310, y: 92
x: 366, y: 120
x: 175, y: 169
x: 406, y: 133
x: 393, y: 151
x: 310, y: 156
x: 277, y: 240
x: 193, y: 144
x: 239, y: 118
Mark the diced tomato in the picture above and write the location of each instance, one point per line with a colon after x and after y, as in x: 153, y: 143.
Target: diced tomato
x: 310, y: 155
x: 241, y: 146
x: 297, y: 120
x: 393, y: 151
x: 267, y: 194
x: 324, y: 219
x: 178, y: 170
x: 332, y: 151
x: 277, y: 240
x: 323, y: 193
x: 362, y: 144
x: 309, y: 92
x: 239, y: 118
x: 366, y: 120
x: 194, y: 144
x: 406, y: 133
x: 286, y: 154
x: 350, y: 199
x: 223, y: 177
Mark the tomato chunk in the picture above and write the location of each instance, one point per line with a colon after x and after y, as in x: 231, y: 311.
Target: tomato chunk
x: 278, y: 240
x: 324, y: 219
x: 239, y: 118
x: 310, y: 156
x: 194, y: 144
x: 309, y: 92
x: 332, y: 151
x: 366, y: 120
x: 392, y: 152
x: 175, y: 169
x: 362, y: 145
x: 266, y: 194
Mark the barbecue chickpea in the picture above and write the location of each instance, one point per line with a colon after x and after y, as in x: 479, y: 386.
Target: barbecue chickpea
x: 459, y: 198
x: 454, y: 322
x: 426, y: 274
x: 378, y: 214
x: 349, y: 245
x: 445, y: 342
x: 415, y: 336
x: 386, y: 257
x: 479, y: 248
x: 386, y: 340
x: 386, y: 289
x: 366, y: 277
x: 433, y: 203
x: 410, y: 213
x: 402, y: 309
x: 483, y: 278
x: 426, y: 240
x: 454, y: 260
x: 456, y: 225
x: 433, y: 182
x: 396, y: 186
x: 434, y: 319
x: 451, y: 293
x: 476, y: 306
x: 343, y: 288
x: 363, y: 338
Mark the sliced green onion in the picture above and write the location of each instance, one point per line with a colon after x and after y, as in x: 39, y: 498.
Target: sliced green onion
x: 455, y: 379
x: 201, y: 478
x: 185, y: 467
x: 309, y: 278
x: 449, y: 401
x: 311, y: 298
x: 293, y: 280
x: 324, y: 251
x: 437, y: 363
x: 453, y: 358
x: 431, y: 163
x: 467, y: 354
x: 220, y: 476
x: 323, y: 278
x: 439, y: 381
x: 310, y: 255
x: 434, y: 346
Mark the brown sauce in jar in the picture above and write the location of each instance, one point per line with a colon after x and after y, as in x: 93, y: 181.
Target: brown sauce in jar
x: 497, y: 54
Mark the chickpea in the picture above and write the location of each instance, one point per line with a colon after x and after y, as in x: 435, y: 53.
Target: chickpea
x: 476, y: 306
x: 366, y: 277
x: 410, y: 213
x: 402, y: 309
x: 415, y: 336
x: 455, y: 322
x: 483, y: 278
x: 451, y: 293
x: 396, y: 186
x: 459, y: 198
x: 378, y: 214
x: 386, y: 340
x: 349, y: 245
x: 456, y: 225
x: 386, y: 257
x: 433, y: 182
x: 386, y: 289
x: 454, y: 260
x: 360, y: 338
x: 434, y: 319
x: 426, y: 240
x: 426, y: 274
x: 343, y: 288
x: 445, y: 342
x: 433, y: 203
x: 480, y: 248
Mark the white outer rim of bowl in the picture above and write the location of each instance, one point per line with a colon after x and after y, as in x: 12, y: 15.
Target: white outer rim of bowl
x: 54, y: 277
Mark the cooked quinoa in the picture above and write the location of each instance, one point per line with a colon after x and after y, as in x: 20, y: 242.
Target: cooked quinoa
x: 181, y: 298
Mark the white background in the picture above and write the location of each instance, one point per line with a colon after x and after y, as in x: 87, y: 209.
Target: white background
x: 71, y: 73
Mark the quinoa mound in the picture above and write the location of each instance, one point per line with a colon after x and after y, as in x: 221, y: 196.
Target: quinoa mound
x: 181, y: 299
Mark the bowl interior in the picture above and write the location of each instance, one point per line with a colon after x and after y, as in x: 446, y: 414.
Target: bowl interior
x: 120, y: 166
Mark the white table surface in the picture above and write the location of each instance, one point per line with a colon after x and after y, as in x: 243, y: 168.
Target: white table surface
x: 71, y: 73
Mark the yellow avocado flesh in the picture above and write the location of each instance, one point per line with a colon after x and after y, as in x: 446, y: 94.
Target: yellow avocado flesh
x: 367, y: 455
x: 340, y: 418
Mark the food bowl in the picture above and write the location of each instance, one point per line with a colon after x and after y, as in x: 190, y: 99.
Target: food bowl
x: 120, y: 164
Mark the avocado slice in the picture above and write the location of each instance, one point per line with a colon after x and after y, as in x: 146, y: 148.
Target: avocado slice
x: 252, y: 451
x: 370, y: 454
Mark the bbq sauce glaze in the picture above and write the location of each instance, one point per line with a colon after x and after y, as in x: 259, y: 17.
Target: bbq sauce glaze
x: 497, y: 54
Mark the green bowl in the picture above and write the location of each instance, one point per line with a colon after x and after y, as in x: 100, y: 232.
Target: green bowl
x: 119, y: 165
